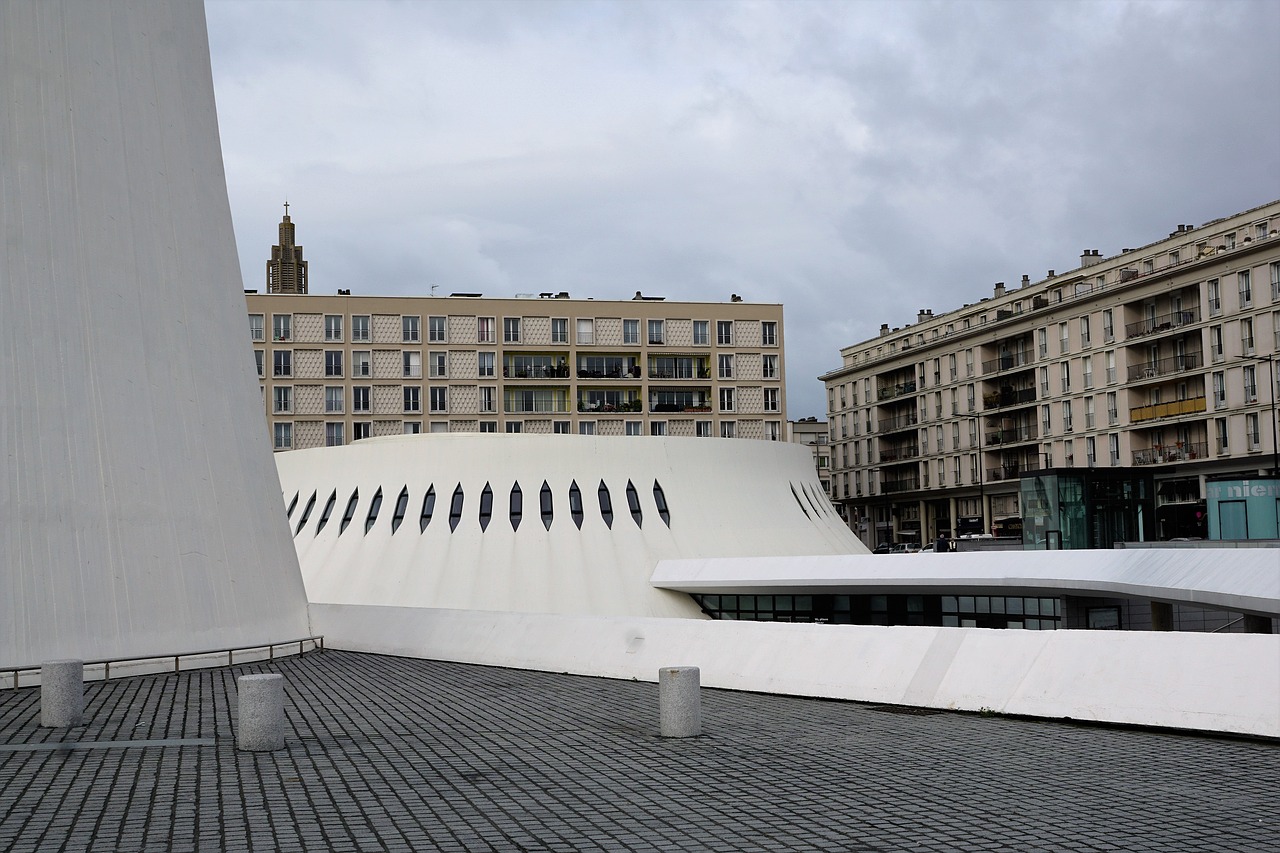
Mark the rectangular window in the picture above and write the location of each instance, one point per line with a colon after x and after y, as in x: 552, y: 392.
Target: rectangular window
x: 511, y: 330
x: 702, y: 429
x: 1046, y: 420
x: 281, y: 327
x: 769, y: 333
x: 1215, y: 297
x: 1220, y: 431
x: 657, y: 331
x: 1250, y: 383
x: 726, y: 399
x: 1089, y: 419
x: 1064, y: 338
x: 259, y: 358
x: 486, y: 330
x: 412, y: 398
x: 1113, y: 412
x: 283, y: 436
x: 360, y: 328
x: 1091, y: 451
x: 771, y: 399
x: 1246, y: 336
x: 1215, y: 343
x: 1085, y: 334
x: 282, y: 399
x: 1245, y: 281
x: 1252, y: 431
x: 515, y: 426
x: 1066, y: 416
x: 1087, y: 364
x: 410, y: 331
x: 1219, y: 389
x: 412, y: 363
x: 1275, y: 281
x: 333, y: 327
x: 586, y: 427
x: 360, y: 395
x: 586, y: 332
x: 631, y: 332
x: 333, y: 399
x: 560, y: 427
x: 728, y: 429
x: 437, y: 365
x: 333, y: 435
x: 658, y: 428
x: 726, y: 366
x: 488, y: 426
x: 769, y: 366
x: 1044, y: 382
x: 361, y: 363
x: 282, y: 362
x: 488, y: 399
x: 439, y: 399
x: 635, y: 428
x: 701, y: 333
x: 1111, y: 367
x: 413, y: 427
x: 436, y: 329
x: 1064, y: 368
x: 333, y: 362
x: 1108, y: 325
x: 256, y: 327
x: 724, y: 333
x: 485, y: 362
x: 361, y: 429
x: 560, y: 330
x: 968, y: 362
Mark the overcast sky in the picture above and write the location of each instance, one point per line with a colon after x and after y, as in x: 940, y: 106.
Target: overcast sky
x: 855, y: 161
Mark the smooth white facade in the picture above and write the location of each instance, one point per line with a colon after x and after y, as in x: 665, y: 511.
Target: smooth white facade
x: 722, y: 498
x: 134, y: 515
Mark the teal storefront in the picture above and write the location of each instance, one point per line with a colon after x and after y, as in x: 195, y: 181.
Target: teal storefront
x: 1244, y: 509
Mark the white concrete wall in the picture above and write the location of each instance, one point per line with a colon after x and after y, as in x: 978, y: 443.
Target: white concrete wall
x: 726, y: 497
x: 139, y: 513
x: 1211, y: 682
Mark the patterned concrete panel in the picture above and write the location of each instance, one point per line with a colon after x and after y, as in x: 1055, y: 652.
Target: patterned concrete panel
x: 536, y: 331
x: 388, y: 427
x: 540, y: 426
x: 746, y: 333
x: 386, y: 329
x: 610, y: 426
x: 609, y: 331
x: 751, y: 429
x: 308, y: 399
x: 748, y: 365
x: 464, y: 426
x: 308, y: 434
x: 308, y: 328
x: 387, y: 364
x: 388, y: 399
x: 679, y: 333
x: 681, y: 427
x: 462, y: 364
x: 750, y: 399
x: 462, y: 329
x: 463, y: 399
x: 308, y: 363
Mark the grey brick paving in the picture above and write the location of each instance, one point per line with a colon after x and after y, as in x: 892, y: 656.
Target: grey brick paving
x: 395, y: 754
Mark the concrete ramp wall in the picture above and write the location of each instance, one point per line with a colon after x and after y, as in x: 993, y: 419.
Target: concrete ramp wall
x: 1210, y: 682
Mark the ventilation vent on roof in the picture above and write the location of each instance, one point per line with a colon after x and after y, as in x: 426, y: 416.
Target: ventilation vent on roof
x: 660, y: 499
x: 328, y: 510
x: 544, y: 505
x: 575, y: 504
x: 374, y: 506
x: 606, y: 505
x: 486, y: 507
x: 306, y: 513
x: 350, y: 511
x: 402, y: 506
x: 428, y: 507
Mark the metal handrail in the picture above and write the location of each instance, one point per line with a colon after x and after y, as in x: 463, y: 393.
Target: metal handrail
x: 317, y: 642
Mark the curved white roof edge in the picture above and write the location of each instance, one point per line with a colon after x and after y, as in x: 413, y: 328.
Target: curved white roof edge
x: 1244, y: 579
x: 428, y: 545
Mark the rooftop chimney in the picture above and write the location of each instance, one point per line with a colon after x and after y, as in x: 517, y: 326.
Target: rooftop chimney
x: 999, y: 289
x: 1090, y: 257
x: 884, y: 329
x: 1026, y: 280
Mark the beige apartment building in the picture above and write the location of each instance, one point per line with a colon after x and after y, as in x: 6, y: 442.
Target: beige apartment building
x: 334, y: 369
x: 1152, y: 370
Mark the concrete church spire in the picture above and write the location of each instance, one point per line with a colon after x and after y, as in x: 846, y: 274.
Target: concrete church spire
x: 286, y: 271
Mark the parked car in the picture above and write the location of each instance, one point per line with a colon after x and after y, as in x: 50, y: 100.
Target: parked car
x: 905, y: 548
x: 927, y: 549
x: 882, y: 548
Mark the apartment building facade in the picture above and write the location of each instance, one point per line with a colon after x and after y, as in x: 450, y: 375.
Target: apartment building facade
x: 334, y: 369
x: 1143, y: 374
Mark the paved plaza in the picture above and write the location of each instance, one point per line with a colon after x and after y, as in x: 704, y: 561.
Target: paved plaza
x: 389, y: 753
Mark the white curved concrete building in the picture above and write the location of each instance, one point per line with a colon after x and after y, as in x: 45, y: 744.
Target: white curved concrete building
x: 134, y: 517
x: 544, y: 524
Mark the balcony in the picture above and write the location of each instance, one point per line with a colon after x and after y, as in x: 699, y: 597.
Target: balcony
x: 1008, y: 397
x: 1009, y: 361
x: 1166, y: 366
x: 891, y: 391
x: 899, y: 454
x: 902, y: 484
x: 1172, y: 409
x: 1012, y: 471
x: 900, y: 422
x: 1179, y: 452
x: 1161, y: 324
x: 1011, y: 435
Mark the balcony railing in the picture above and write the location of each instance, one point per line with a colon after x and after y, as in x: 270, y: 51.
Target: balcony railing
x: 903, y: 484
x: 1008, y: 397
x: 1012, y: 471
x: 898, y: 454
x: 1166, y: 366
x: 1012, y: 435
x: 1162, y: 323
x: 1167, y: 410
x: 898, y: 423
x: 891, y: 391
x: 1179, y: 452
x: 1011, y: 361
x: 536, y: 371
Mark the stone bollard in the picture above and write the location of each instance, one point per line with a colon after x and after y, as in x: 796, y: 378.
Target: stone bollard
x: 260, y: 722
x: 678, y: 703
x: 61, y: 693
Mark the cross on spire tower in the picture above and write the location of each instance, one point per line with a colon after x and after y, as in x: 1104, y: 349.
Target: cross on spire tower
x: 286, y: 271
